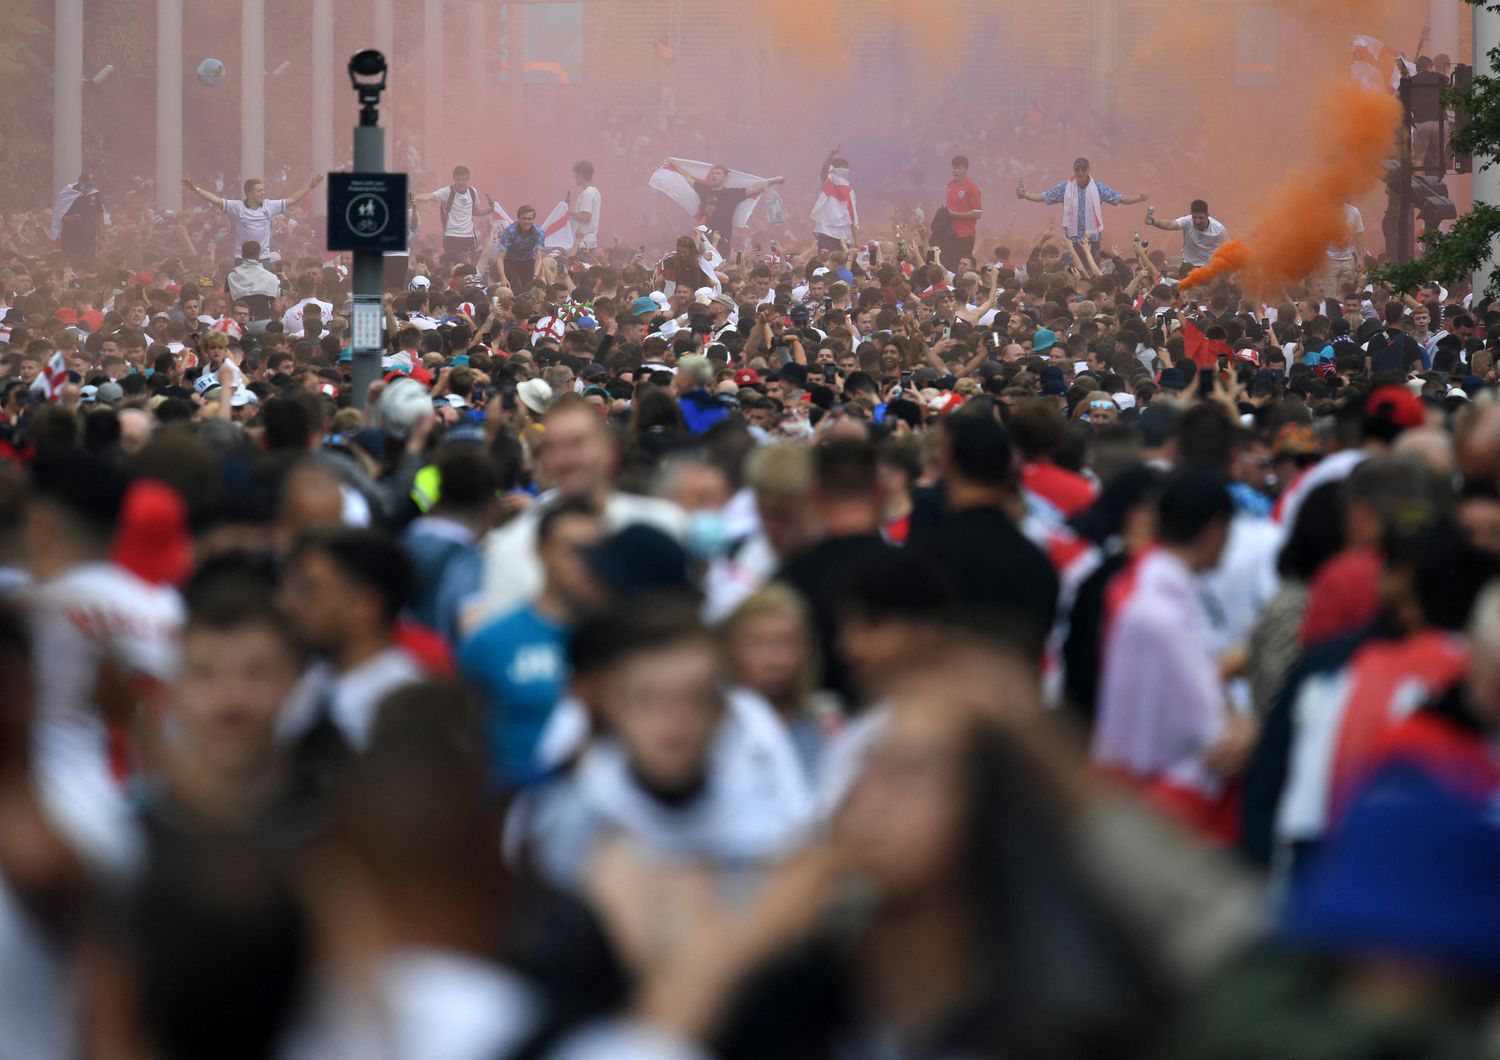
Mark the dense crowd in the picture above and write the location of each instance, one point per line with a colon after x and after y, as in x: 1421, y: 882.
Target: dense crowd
x: 873, y: 642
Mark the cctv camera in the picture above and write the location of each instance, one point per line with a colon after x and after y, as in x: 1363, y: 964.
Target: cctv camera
x: 367, y: 72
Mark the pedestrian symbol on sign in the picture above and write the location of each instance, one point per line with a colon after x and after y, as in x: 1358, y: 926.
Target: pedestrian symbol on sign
x: 367, y: 215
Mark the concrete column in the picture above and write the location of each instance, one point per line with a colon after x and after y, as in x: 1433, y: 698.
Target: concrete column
x: 67, y: 93
x: 324, y: 67
x: 1486, y: 181
x: 433, y: 158
x: 385, y: 43
x: 479, y: 49
x: 515, y: 57
x: 252, y: 89
x: 169, y: 75
x: 1442, y: 20
x: 1103, y: 74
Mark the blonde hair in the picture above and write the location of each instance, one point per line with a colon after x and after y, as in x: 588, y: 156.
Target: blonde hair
x: 779, y: 470
x: 775, y: 598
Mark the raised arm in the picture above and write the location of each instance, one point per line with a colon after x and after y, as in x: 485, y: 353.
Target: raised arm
x: 1145, y: 261
x: 1029, y: 196
x: 760, y: 189
x: 304, y: 191
x: 1169, y: 225
x: 202, y: 193
x: 973, y: 315
x: 1131, y: 200
x: 828, y: 164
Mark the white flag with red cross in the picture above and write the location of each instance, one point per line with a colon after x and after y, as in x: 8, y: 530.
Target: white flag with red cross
x: 49, y: 382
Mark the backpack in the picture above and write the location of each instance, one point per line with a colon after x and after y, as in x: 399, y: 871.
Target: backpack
x: 942, y: 224
x: 445, y: 207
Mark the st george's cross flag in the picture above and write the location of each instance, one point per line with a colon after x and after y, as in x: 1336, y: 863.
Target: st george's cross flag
x: 679, y: 188
x: 49, y: 382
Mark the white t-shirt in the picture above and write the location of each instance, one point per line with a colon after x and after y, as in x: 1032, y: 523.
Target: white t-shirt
x: 588, y: 231
x: 1198, y: 247
x: 460, y: 211
x: 353, y: 697
x: 1356, y: 226
x: 253, y: 224
x: 291, y: 320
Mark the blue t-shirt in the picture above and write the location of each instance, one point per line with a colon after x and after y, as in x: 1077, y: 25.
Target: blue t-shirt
x: 519, y: 661
x: 519, y: 245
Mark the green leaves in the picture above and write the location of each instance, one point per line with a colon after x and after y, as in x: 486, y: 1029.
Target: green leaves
x: 1449, y: 256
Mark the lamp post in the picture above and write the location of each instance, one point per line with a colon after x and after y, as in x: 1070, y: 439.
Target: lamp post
x: 367, y: 73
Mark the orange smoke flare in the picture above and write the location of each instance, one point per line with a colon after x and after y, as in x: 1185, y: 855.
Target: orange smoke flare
x: 1289, y: 238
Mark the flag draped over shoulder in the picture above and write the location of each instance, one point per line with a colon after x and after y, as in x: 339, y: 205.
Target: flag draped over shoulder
x: 837, y: 206
x: 679, y: 188
x: 65, y: 200
x: 1204, y: 351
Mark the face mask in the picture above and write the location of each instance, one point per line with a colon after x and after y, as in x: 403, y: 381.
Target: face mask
x: 707, y: 535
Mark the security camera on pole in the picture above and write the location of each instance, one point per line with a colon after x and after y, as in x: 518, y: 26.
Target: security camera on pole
x: 367, y: 215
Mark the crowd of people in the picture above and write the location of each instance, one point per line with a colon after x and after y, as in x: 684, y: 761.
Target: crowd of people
x: 876, y: 642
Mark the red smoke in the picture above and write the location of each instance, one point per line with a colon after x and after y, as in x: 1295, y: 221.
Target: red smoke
x: 1292, y: 232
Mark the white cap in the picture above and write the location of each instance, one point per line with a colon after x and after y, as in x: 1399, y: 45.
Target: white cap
x: 402, y: 404
x: 419, y: 283
x: 536, y: 395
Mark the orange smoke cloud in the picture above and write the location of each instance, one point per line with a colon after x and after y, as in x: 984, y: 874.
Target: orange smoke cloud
x: 1288, y: 240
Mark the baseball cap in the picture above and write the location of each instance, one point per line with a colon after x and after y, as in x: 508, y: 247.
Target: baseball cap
x: 419, y: 283
x: 638, y: 559
x: 747, y: 377
x: 153, y: 541
x: 1044, y: 339
x: 88, y: 394
x: 1397, y: 405
x: 404, y: 402
x: 536, y: 395
x: 109, y: 393
x: 642, y: 307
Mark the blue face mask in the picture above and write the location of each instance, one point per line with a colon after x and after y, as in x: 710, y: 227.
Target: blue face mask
x: 707, y: 535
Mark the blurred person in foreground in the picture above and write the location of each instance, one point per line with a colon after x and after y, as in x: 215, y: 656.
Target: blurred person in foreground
x: 976, y: 896
x: 579, y: 458
x: 661, y: 822
x: 1165, y: 723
